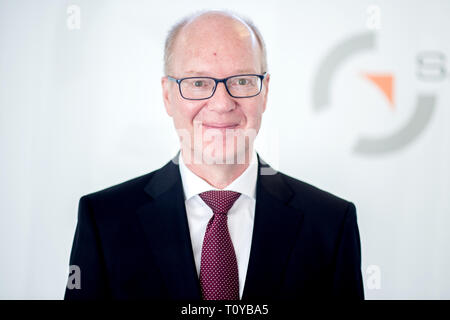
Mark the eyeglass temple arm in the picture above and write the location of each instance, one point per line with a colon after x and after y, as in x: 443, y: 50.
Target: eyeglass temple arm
x: 173, y: 79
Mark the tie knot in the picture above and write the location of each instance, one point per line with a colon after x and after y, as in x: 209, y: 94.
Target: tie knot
x: 220, y: 201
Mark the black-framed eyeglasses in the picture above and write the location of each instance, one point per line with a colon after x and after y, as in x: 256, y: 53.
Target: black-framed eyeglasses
x: 237, y: 86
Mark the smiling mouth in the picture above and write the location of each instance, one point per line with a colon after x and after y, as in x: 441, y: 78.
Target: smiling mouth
x: 220, y: 125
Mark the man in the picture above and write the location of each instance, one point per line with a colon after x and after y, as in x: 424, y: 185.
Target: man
x: 216, y: 223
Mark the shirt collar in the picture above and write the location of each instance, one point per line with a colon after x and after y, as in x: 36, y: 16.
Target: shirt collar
x: 244, y: 184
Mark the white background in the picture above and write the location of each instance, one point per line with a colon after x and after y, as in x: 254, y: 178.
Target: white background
x: 81, y: 110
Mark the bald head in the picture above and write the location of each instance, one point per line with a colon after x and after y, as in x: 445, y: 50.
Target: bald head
x: 214, y: 31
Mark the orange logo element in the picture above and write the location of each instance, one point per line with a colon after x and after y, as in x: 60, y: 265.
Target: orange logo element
x: 385, y: 82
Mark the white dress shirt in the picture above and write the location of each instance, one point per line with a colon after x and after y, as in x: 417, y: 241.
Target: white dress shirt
x: 240, y: 216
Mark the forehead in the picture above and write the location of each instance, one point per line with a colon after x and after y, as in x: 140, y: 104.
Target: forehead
x: 216, y: 44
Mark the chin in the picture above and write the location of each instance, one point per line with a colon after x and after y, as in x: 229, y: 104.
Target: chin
x: 224, y: 154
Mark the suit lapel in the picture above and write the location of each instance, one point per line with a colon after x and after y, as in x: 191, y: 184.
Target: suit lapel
x: 165, y: 224
x: 275, y: 229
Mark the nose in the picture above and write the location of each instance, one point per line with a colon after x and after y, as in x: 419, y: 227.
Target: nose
x: 221, y: 101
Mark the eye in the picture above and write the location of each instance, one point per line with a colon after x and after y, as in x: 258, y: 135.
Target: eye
x: 242, y: 82
x: 198, y: 83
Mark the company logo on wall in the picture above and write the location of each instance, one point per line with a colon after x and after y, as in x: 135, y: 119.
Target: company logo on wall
x: 367, y: 145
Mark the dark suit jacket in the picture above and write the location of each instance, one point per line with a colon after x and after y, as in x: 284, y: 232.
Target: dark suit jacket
x: 132, y: 241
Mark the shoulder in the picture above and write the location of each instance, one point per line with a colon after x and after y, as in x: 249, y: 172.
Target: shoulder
x: 128, y: 195
x: 315, y: 203
x: 130, y: 187
x: 121, y: 198
x: 311, y: 194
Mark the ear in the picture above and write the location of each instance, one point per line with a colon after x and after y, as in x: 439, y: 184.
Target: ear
x: 166, y: 85
x: 265, y: 91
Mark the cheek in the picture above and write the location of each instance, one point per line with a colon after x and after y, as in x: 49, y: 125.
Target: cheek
x: 253, y: 114
x: 185, y: 112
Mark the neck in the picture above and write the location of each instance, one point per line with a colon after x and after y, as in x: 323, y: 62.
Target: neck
x: 218, y: 175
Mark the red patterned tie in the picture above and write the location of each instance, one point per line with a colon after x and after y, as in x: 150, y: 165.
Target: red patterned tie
x: 219, y: 278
